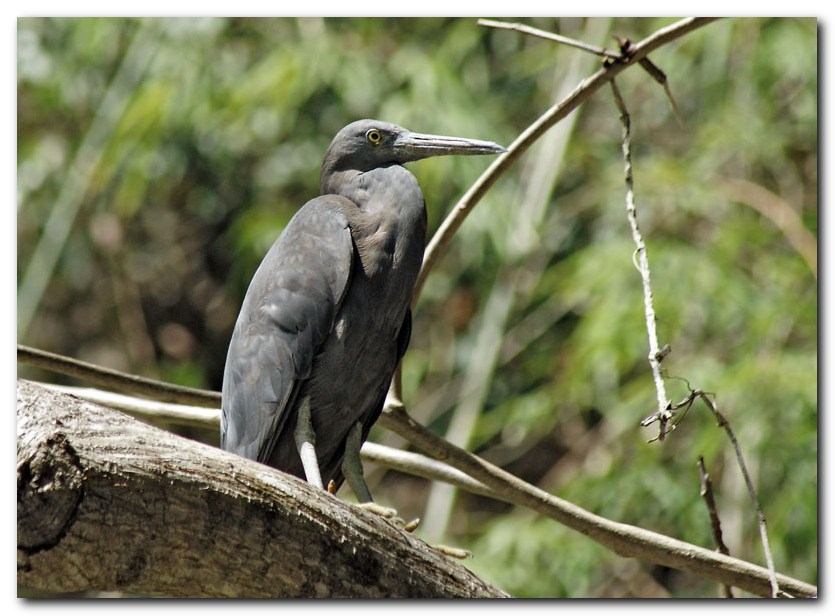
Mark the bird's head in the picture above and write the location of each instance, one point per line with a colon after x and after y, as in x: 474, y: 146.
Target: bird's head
x: 367, y: 144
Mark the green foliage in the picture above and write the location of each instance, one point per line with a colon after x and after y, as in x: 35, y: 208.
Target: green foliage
x: 220, y: 142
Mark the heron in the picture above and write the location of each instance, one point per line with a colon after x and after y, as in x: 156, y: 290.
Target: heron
x: 326, y: 318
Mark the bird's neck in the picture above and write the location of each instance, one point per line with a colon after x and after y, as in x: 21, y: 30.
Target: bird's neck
x: 333, y: 182
x: 389, y: 224
x: 382, y: 193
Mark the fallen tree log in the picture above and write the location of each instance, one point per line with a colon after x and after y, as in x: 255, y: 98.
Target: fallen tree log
x: 107, y: 503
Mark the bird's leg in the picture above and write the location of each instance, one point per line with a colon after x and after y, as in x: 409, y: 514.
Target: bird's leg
x: 352, y: 465
x: 306, y: 444
x: 352, y: 470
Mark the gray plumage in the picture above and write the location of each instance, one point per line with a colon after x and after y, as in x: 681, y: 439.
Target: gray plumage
x: 326, y: 318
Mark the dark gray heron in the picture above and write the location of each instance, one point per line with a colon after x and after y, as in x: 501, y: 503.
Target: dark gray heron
x: 326, y: 317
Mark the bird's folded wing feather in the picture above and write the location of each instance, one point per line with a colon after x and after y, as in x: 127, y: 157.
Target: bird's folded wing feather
x: 288, y: 312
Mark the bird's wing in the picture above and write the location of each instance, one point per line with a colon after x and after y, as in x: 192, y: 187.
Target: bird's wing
x: 286, y: 315
x: 333, y: 467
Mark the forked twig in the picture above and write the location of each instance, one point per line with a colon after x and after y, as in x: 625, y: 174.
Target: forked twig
x: 584, y: 90
x: 599, y: 51
x: 666, y: 410
x: 625, y: 45
x: 752, y: 493
x: 626, y: 48
x: 722, y: 422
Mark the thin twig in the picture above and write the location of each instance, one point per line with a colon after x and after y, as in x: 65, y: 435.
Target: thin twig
x: 655, y: 352
x: 706, y: 491
x: 752, y: 493
x: 114, y: 379
x: 446, y: 231
x: 665, y: 409
x: 626, y: 47
x: 599, y: 51
x: 623, y: 539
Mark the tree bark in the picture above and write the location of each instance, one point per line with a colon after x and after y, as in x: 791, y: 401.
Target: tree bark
x: 107, y: 503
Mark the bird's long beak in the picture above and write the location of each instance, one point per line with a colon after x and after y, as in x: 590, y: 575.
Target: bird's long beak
x: 414, y: 146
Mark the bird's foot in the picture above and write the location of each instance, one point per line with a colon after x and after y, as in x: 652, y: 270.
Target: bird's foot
x: 410, y: 527
x: 459, y: 553
x: 387, y: 513
x: 390, y: 515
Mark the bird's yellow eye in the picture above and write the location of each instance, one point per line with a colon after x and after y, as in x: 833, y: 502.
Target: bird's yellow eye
x: 374, y: 136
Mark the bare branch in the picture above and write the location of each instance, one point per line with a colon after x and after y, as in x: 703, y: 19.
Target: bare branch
x: 422, y: 466
x: 114, y: 379
x: 154, y: 412
x: 440, y: 242
x: 706, y: 492
x: 752, y: 492
x: 655, y: 352
x: 623, y: 539
x: 599, y: 51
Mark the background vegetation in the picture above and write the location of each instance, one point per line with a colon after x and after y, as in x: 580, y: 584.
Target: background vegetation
x: 159, y: 159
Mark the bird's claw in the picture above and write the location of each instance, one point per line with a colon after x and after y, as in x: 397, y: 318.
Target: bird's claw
x: 410, y: 527
x: 390, y: 515
x: 459, y: 553
x: 386, y: 513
